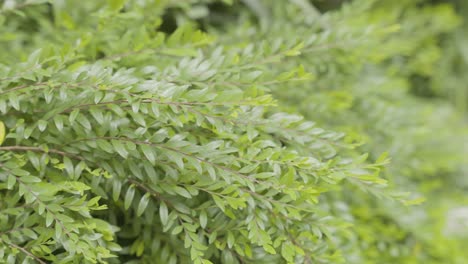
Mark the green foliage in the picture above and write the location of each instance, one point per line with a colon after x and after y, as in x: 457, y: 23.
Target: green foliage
x: 247, y: 132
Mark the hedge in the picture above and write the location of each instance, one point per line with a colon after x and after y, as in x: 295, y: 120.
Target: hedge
x: 251, y: 131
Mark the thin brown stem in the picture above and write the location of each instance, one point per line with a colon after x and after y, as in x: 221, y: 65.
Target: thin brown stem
x: 37, y: 149
x: 22, y: 249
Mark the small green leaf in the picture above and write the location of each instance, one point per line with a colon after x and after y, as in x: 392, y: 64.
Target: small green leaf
x: 120, y: 148
x: 230, y: 239
x: 69, y: 168
x: 2, y: 132
x: 58, y: 122
x: 20, y: 172
x: 116, y: 189
x: 143, y: 204
x: 58, y: 231
x: 177, y: 230
x: 149, y: 153
x: 163, y: 213
x: 129, y: 197
x: 219, y: 202
x: 104, y: 145
x: 116, y: 5
x: 73, y: 116
x: 49, y: 218
x: 42, y: 125
x: 30, y: 179
x: 176, y: 158
x: 11, y: 181
x: 268, y: 248
x: 28, y: 232
x: 383, y: 158
x: 296, y: 50
x: 203, y: 219
x: 182, y: 191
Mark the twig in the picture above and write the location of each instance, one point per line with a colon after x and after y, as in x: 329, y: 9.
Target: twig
x: 37, y: 149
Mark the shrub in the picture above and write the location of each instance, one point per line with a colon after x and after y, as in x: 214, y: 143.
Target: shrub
x: 218, y: 132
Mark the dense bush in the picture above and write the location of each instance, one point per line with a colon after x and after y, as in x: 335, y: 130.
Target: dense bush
x: 231, y: 132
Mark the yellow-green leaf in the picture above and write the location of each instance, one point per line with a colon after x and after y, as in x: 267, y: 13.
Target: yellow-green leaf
x: 2, y: 132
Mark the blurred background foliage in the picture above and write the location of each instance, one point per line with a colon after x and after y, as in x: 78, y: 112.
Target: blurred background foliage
x: 399, y: 85
x: 391, y: 74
